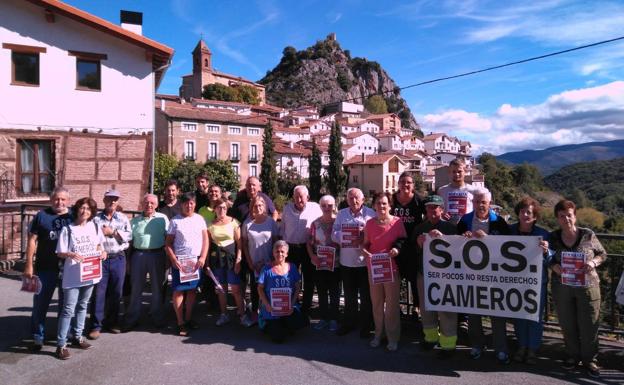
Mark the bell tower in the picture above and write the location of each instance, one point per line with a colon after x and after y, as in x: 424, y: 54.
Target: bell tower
x: 202, y: 58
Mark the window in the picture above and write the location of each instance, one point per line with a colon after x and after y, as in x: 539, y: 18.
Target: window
x: 253, y: 131
x: 189, y: 150
x: 192, y: 127
x: 35, y: 162
x: 236, y: 170
x: 235, y: 130
x: 213, y: 150
x: 88, y: 70
x: 213, y: 128
x: 24, y: 64
x: 253, y: 152
x: 253, y: 170
x: 393, y: 166
x: 355, y: 178
x: 234, y: 151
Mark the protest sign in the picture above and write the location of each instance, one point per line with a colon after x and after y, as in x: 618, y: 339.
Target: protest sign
x: 495, y: 275
x: 91, y: 268
x: 188, y: 272
x: 327, y: 258
x: 573, y: 269
x: 381, y: 268
x: 350, y: 236
x: 281, y: 301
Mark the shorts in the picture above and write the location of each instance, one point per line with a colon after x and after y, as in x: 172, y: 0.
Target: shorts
x: 176, y: 285
x: 226, y: 276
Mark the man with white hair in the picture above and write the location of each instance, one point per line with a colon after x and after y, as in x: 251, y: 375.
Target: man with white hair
x: 348, y: 233
x: 297, y: 218
x: 148, y: 239
x: 482, y: 222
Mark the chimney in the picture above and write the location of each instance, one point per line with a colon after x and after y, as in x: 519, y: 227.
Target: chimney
x: 292, y: 145
x: 132, y: 21
x: 162, y: 104
x: 363, y: 157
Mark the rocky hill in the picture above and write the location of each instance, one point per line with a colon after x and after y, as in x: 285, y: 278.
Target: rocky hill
x: 325, y: 73
x: 552, y: 159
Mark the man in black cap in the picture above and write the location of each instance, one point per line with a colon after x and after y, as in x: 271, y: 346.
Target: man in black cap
x: 107, y: 293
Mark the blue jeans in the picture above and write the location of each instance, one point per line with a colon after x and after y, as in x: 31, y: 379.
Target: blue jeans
x: 529, y: 333
x: 76, y: 299
x: 107, y: 293
x: 41, y: 303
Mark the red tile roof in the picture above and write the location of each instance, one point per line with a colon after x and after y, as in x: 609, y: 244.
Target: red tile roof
x: 353, y: 135
x: 210, y: 115
x: 297, y: 149
x: 375, y: 159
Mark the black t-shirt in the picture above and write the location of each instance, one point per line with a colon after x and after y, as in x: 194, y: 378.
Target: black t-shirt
x: 47, y: 226
x: 240, y: 208
x: 201, y: 200
x: 171, y: 211
x: 411, y: 215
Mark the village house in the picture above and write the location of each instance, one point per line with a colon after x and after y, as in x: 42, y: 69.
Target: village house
x: 375, y: 173
x: 77, y: 102
x: 201, y: 134
x: 203, y: 74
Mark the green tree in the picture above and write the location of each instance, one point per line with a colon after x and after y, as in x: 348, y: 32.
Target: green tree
x: 222, y: 173
x: 336, y: 176
x: 164, y: 165
x: 499, y: 180
x: 268, y: 173
x: 343, y: 80
x: 247, y: 94
x: 316, y: 182
x: 376, y: 104
x: 222, y: 92
x: 185, y: 173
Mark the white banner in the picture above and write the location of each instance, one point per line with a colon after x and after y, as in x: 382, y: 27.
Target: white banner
x: 495, y: 275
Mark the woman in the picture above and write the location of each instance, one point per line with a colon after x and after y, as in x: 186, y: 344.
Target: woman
x: 186, y: 247
x: 225, y: 260
x: 80, y: 243
x: 383, y: 235
x: 529, y: 333
x: 278, y: 287
x: 258, y: 235
x: 577, y: 303
x: 326, y: 276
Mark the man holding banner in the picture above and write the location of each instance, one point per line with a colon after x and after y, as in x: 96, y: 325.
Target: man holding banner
x: 435, y: 227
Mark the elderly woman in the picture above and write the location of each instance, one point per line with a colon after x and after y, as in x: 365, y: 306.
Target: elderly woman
x: 529, y: 333
x: 225, y: 259
x: 576, y: 292
x: 383, y: 235
x: 259, y: 232
x: 481, y: 222
x: 327, y: 275
x: 278, y: 287
x: 79, y: 243
x: 186, y: 246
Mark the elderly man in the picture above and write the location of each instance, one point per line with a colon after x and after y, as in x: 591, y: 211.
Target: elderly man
x: 483, y: 221
x: 458, y: 194
x: 297, y: 218
x: 148, y: 238
x: 107, y: 293
x: 438, y: 327
x: 240, y: 208
x: 42, y: 239
x: 170, y: 206
x: 347, y: 232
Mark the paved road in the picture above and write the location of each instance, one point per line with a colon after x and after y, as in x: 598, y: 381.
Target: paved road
x: 235, y: 355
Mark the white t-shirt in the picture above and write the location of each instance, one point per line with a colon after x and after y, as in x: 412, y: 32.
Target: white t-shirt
x: 187, y: 232
x: 84, y: 241
x: 457, y: 201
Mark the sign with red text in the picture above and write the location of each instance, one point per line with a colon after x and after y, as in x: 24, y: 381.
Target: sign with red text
x: 281, y: 301
x: 91, y: 268
x: 350, y: 236
x: 188, y: 270
x: 573, y: 269
x: 381, y: 268
x: 327, y: 258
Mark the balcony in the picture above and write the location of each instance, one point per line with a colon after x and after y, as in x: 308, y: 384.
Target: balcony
x: 253, y: 159
x: 212, y: 156
x: 234, y: 158
x: 190, y: 157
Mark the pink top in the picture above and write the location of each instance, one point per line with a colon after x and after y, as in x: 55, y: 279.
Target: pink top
x: 383, y: 237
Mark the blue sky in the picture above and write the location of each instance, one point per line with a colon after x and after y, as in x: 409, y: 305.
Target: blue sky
x: 573, y: 98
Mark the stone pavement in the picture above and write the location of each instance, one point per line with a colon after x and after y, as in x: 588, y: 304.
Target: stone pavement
x: 235, y: 355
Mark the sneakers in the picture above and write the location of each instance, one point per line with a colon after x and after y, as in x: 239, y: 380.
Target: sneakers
x: 392, y: 346
x: 375, y: 342
x: 246, y: 320
x: 62, y: 353
x: 475, y: 353
x: 333, y: 325
x: 520, y: 354
x: 593, y: 370
x: 81, y: 343
x: 569, y: 363
x: 223, y: 319
x: 94, y: 334
x: 502, y: 358
x: 322, y: 324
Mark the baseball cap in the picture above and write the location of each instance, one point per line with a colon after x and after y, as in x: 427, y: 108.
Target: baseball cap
x: 434, y: 200
x: 112, y: 193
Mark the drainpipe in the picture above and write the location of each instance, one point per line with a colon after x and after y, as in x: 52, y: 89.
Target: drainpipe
x: 151, y: 189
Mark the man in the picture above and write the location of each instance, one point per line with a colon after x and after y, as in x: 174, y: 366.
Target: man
x: 481, y: 222
x: 107, y: 293
x: 408, y: 207
x: 240, y: 208
x: 297, y: 218
x: 435, y: 227
x: 148, y: 239
x: 458, y: 194
x: 42, y: 239
x: 348, y: 233
x: 170, y: 206
x: 201, y: 193
x: 214, y: 194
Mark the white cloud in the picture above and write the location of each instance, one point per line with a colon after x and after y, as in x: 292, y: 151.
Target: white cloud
x: 574, y: 116
x: 333, y: 17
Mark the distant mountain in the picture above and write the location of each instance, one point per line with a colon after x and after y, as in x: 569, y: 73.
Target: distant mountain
x: 599, y: 183
x: 552, y: 159
x: 325, y: 73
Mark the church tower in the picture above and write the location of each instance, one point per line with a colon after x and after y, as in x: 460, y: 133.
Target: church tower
x: 202, y: 58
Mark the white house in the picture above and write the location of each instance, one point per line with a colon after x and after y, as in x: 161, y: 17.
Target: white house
x: 375, y: 173
x: 363, y: 142
x: 77, y: 101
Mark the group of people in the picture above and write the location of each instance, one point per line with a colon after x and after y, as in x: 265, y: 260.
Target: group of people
x: 221, y: 247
